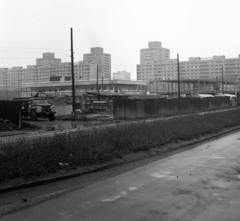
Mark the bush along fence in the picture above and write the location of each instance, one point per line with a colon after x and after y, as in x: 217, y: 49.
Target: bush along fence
x: 134, y: 108
x: 11, y: 110
x: 83, y: 148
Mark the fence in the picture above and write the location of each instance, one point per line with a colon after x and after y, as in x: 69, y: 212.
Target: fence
x: 134, y: 108
x: 11, y: 110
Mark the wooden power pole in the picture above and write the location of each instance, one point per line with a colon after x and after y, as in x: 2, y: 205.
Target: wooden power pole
x: 102, y: 83
x: 179, y: 95
x: 73, y: 78
x: 222, y: 82
x: 97, y: 85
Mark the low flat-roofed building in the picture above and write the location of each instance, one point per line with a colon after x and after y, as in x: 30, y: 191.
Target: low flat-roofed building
x: 65, y: 87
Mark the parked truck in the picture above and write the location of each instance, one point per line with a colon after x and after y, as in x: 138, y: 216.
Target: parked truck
x: 37, y: 107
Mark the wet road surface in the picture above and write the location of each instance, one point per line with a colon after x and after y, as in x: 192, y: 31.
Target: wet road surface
x: 200, y: 184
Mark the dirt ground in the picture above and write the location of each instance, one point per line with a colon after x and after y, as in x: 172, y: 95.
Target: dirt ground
x: 43, y: 125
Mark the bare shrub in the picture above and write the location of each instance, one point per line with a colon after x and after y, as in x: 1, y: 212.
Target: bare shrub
x: 43, y: 155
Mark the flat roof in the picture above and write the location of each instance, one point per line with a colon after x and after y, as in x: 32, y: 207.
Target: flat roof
x: 209, y: 80
x: 82, y: 82
x: 107, y: 94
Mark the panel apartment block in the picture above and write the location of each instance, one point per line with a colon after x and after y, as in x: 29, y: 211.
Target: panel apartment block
x: 46, y: 67
x: 122, y: 75
x: 154, y: 53
x: 102, y: 60
x: 194, y: 68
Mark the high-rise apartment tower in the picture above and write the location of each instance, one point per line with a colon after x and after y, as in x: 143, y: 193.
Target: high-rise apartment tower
x: 154, y: 53
x: 102, y: 60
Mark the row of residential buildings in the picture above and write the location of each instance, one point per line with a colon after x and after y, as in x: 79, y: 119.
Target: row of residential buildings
x: 50, y: 68
x: 155, y: 65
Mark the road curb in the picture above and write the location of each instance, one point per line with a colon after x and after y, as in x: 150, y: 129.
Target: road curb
x: 95, y: 168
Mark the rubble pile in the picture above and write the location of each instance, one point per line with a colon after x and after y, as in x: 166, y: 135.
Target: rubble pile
x: 6, y: 125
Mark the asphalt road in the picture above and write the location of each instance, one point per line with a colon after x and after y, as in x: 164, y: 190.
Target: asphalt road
x: 200, y: 184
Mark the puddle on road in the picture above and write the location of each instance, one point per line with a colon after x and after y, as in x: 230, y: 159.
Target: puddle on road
x: 157, y: 175
x: 132, y: 188
x: 114, y: 198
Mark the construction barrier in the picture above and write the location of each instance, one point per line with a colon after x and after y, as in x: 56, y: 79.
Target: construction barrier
x: 137, y: 108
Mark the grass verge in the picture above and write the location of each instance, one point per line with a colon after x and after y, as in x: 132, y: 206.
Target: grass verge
x: 42, y: 156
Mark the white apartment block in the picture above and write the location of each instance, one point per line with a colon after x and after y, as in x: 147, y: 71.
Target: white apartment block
x: 10, y: 78
x: 122, y: 75
x: 102, y: 60
x: 154, y: 53
x: 194, y: 68
x: 46, y: 67
x: 3, y: 79
x: 48, y: 59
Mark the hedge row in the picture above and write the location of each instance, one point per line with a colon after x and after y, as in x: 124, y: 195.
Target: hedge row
x: 96, y: 146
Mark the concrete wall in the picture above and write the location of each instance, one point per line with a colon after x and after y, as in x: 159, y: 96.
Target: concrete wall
x: 134, y: 108
x: 119, y: 108
x: 234, y: 101
x: 9, y: 95
x: 238, y: 99
x: 63, y: 110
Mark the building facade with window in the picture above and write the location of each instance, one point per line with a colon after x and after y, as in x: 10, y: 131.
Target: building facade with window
x: 215, y: 67
x: 154, y: 53
x: 48, y: 59
x: 48, y: 66
x: 65, y: 87
x: 122, y: 75
x: 102, y: 60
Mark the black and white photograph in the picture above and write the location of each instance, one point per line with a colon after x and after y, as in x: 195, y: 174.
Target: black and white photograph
x: 119, y: 110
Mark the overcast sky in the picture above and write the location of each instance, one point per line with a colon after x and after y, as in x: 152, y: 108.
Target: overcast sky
x: 200, y: 28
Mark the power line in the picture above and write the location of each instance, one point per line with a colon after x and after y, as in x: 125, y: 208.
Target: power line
x: 29, y: 52
x: 60, y: 49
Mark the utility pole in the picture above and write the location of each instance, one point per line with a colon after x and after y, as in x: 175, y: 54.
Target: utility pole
x: 178, y: 83
x: 97, y: 85
x: 222, y: 82
x: 73, y: 84
x: 102, y: 83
